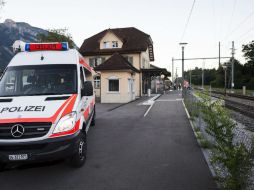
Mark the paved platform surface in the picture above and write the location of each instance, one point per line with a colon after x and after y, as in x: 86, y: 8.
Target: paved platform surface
x: 127, y: 151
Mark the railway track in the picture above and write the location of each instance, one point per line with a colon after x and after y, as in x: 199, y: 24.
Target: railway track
x: 234, y: 95
x: 239, y: 103
x: 244, y: 109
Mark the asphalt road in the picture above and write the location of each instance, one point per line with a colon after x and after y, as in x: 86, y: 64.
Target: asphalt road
x: 127, y: 151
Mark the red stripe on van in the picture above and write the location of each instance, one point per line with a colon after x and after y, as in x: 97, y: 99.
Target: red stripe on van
x: 70, y: 106
x: 51, y: 119
x: 70, y: 132
x: 86, y: 113
x: 82, y: 62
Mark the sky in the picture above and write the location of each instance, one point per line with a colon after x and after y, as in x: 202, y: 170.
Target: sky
x: 211, y: 21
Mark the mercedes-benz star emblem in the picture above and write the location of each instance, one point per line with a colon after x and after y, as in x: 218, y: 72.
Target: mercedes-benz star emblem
x: 17, y: 130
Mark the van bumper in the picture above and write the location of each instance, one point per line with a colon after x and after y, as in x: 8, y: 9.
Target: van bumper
x: 39, y: 151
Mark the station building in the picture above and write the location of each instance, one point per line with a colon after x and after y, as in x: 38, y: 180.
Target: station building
x: 122, y: 60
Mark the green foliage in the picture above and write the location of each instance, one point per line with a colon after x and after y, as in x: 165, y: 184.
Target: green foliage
x: 244, y: 74
x: 57, y: 35
x: 196, y: 129
x: 234, y: 157
x: 219, y: 78
x: 196, y: 76
x: 204, y: 144
x: 248, y: 51
x: 199, y: 135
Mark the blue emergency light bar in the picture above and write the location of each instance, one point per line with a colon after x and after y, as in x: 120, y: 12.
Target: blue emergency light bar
x: 61, y: 46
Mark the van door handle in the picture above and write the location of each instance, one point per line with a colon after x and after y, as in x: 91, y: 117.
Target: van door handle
x: 82, y: 110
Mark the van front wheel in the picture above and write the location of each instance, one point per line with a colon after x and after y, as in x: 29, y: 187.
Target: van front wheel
x: 78, y: 159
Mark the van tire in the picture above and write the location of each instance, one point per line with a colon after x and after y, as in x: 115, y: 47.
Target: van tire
x: 78, y: 159
x: 93, y: 119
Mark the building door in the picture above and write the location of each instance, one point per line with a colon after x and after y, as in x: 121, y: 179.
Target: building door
x: 131, y: 89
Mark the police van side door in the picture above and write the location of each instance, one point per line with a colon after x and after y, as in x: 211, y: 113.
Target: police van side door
x: 85, y: 102
x: 82, y: 102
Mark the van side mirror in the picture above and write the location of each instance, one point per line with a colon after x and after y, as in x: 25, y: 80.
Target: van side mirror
x: 88, y: 89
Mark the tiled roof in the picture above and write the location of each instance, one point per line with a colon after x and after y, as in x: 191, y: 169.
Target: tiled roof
x: 133, y: 40
x: 116, y: 62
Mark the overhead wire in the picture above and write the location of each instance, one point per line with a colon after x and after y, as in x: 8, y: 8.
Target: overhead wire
x: 214, y: 22
x: 188, y: 20
x: 241, y: 23
x: 231, y: 18
x: 246, y: 33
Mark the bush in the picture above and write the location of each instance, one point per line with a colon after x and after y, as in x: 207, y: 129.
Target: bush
x: 234, y: 157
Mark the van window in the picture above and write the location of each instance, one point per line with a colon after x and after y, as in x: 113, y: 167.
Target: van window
x: 82, y: 79
x: 39, y: 80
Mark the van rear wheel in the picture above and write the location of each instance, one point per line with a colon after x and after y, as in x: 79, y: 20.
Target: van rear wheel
x: 78, y: 159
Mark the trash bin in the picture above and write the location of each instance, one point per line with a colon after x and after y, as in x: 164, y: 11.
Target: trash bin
x: 149, y: 92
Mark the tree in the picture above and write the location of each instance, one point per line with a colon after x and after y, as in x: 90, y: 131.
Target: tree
x: 248, y: 51
x: 248, y: 71
x: 57, y: 35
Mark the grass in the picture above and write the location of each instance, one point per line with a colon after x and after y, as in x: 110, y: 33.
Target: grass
x: 204, y: 143
x: 198, y: 135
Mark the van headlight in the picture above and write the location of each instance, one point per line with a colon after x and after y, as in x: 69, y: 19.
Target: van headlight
x: 66, y: 123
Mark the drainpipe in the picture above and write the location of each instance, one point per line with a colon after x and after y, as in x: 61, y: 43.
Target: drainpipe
x: 140, y: 76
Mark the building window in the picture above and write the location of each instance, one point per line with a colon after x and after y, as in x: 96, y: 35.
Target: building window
x: 106, y: 45
x: 97, y: 82
x: 113, y: 85
x: 99, y: 60
x: 94, y: 62
x: 143, y: 63
x: 114, y: 44
x: 129, y: 59
x: 91, y: 62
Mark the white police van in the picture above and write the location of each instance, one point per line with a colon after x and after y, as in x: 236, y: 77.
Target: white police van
x: 47, y: 105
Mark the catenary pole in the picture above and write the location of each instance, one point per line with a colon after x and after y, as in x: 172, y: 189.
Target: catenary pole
x: 183, y: 45
x: 173, y: 69
x: 232, y: 66
x: 219, y: 54
x: 203, y: 67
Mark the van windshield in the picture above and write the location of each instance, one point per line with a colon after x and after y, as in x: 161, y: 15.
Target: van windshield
x: 39, y: 80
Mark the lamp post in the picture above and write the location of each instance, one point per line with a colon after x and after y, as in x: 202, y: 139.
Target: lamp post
x: 183, y: 44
